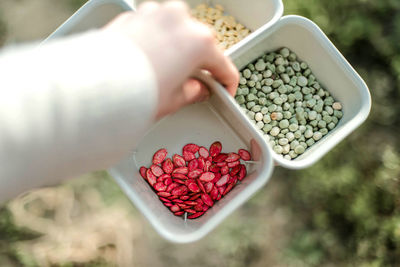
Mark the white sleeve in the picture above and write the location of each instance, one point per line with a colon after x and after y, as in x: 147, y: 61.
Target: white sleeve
x: 71, y: 106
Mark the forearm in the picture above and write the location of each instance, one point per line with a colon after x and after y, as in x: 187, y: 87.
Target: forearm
x: 70, y: 107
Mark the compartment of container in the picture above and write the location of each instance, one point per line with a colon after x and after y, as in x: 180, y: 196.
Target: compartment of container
x: 253, y: 14
x: 335, y: 74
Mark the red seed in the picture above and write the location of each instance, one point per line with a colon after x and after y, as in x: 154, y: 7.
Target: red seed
x: 233, y: 180
x: 207, y: 166
x: 173, y: 197
x: 224, y: 170
x: 214, y: 193
x: 142, y: 171
x: 165, y: 199
x: 190, y: 211
x: 233, y: 164
x: 219, y: 197
x: 183, y: 206
x: 210, y: 159
x: 221, y: 189
x: 208, y: 187
x: 159, y: 156
x: 151, y: 177
x: 228, y: 188
x: 159, y: 180
x: 195, y: 173
x: 217, y: 177
x: 207, y: 177
x: 163, y: 194
x: 214, y: 168
x: 184, y: 197
x: 172, y: 186
x: 201, y: 163
x: 168, y: 181
x: 178, y: 160
x: 179, y: 213
x: 164, y: 176
x: 244, y: 154
x: 160, y: 187
x: 196, y: 215
x: 205, y: 207
x: 193, y: 164
x: 157, y: 171
x: 181, y: 170
x: 188, y: 156
x: 175, y: 208
x: 168, y: 204
x: 193, y: 187
x: 201, y: 186
x: 221, y: 164
x: 199, y: 201
x: 207, y: 200
x: 191, y: 148
x: 215, y: 149
x: 198, y: 207
x: 235, y: 170
x: 180, y: 181
x: 191, y: 203
x: 168, y: 166
x: 224, y: 179
x: 220, y: 157
x: 178, y: 201
x: 232, y: 157
x: 203, y: 152
x: 179, y: 176
x: 195, y: 197
x: 242, y: 173
x: 178, y: 191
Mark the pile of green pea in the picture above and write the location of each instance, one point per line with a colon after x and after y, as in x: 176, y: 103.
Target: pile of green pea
x: 282, y: 97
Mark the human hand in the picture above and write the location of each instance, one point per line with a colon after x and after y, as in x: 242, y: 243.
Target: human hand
x: 176, y: 46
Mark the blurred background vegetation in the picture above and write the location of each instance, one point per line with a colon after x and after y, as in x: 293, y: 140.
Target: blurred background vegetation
x: 343, y: 211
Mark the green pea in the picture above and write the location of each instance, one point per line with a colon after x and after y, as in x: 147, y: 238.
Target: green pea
x: 310, y: 142
x: 250, y: 115
x: 251, y: 83
x: 242, y: 80
x: 246, y: 73
x: 299, y: 149
x: 308, y: 133
x: 245, y: 91
x: 264, y: 110
x: 273, y: 95
x: 306, y: 90
x: 256, y: 108
x: 331, y: 125
x: 262, y: 101
x: 260, y: 65
x: 253, y: 91
x: 292, y: 154
x: 296, y: 66
x: 240, y: 99
x: 278, y: 101
x: 278, y: 149
x: 321, y: 124
x: 302, y: 81
x: 251, y: 67
x: 277, y: 83
x: 251, y: 97
x: 272, y: 108
x: 293, y: 127
x: 323, y: 131
x: 293, y: 81
x: 303, y: 65
x: 290, y: 72
x: 251, y: 104
x: 314, y: 123
x: 267, y: 128
x: 292, y: 57
x: 266, y: 118
x: 307, y: 72
x: 338, y: 114
x: 298, y: 95
x: 267, y: 73
x: 279, y: 61
x: 317, y: 136
x: 269, y: 57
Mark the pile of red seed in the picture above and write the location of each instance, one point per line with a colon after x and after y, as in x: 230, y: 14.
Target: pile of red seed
x: 192, y: 184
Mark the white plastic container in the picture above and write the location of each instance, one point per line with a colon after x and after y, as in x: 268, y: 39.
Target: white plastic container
x: 221, y: 118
